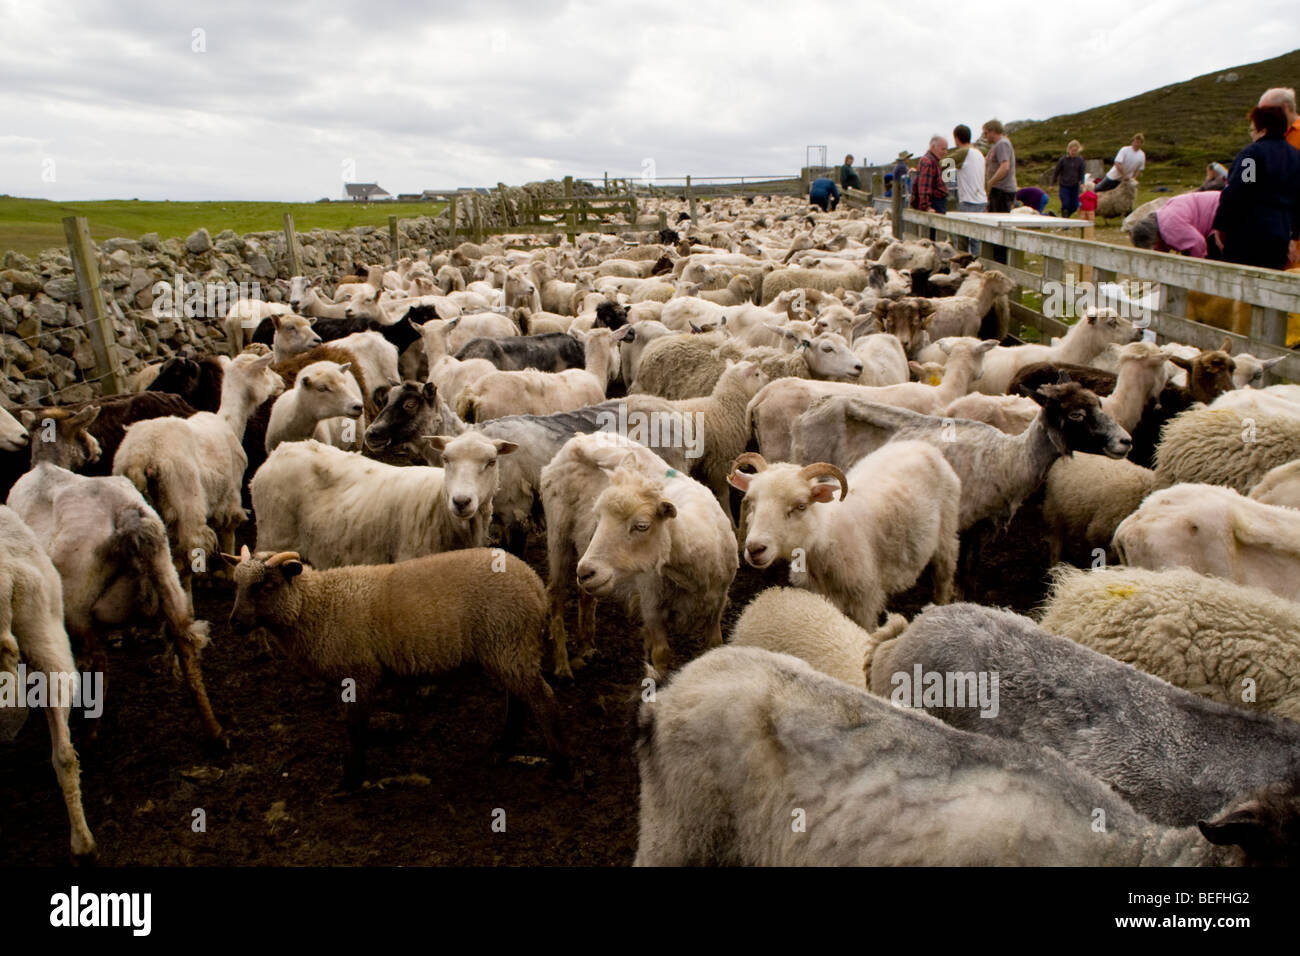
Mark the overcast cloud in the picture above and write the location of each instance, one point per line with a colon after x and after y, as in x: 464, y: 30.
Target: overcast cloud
x: 282, y: 100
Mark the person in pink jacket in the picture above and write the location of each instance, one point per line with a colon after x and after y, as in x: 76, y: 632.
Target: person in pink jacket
x: 1181, y: 225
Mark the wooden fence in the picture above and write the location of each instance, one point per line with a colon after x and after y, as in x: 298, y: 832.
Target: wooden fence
x: 1270, y: 294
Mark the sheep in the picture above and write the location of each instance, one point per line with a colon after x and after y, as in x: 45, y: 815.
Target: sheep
x: 688, y: 313
x: 1281, y: 486
x: 556, y: 295
x: 1256, y: 401
x: 1174, y: 756
x: 742, y: 739
x: 739, y: 290
x: 823, y: 280
x: 549, y: 352
x: 375, y: 355
x: 963, y: 313
x: 31, y: 628
x: 773, y: 410
x: 413, y: 412
x: 633, y: 340
x: 195, y: 378
x: 323, y: 390
x: 102, y: 422
x: 338, y: 508
x: 1086, y: 497
x: 1011, y: 414
x: 1085, y: 339
x: 719, y: 423
x: 855, y: 552
x: 688, y: 366
x: 110, y: 549
x: 807, y: 626
x: 1233, y: 644
x: 342, y: 432
x: 1218, y: 531
x: 489, y: 325
x: 530, y: 392
x: 1208, y: 374
x: 1249, y: 371
x: 884, y: 362
x: 293, y: 335
x: 655, y: 540
x: 420, y: 617
x: 244, y: 320
x: 1224, y: 446
x: 906, y: 319
x: 162, y: 456
x: 1118, y: 202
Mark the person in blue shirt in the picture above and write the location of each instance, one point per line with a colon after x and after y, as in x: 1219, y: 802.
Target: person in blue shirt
x: 824, y: 193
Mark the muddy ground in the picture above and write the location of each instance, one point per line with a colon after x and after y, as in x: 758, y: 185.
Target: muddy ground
x: 433, y: 792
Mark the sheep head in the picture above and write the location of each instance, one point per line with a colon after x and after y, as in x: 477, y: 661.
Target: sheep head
x: 632, y: 535
x: 779, y: 499
x: 470, y: 476
x: 1075, y: 421
x: 264, y: 591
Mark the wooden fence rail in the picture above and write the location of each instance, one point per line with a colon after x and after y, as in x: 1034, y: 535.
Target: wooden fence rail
x: 1271, y: 294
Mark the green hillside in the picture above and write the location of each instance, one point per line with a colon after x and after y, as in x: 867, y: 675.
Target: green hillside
x: 30, y: 225
x: 1186, y: 124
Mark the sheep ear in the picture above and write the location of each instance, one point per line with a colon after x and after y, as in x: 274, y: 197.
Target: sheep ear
x: 430, y: 392
x: 739, y: 480
x: 916, y: 367
x: 437, y: 442
x: 345, y: 366
x: 1226, y: 346
x: 1242, y: 828
x: 985, y: 346
x: 823, y: 492
x: 505, y: 447
x: 244, y: 553
x: 667, y: 509
x: 84, y: 417
x: 1181, y: 362
x: 275, y: 320
x: 28, y: 418
x: 380, y: 396
x: 230, y: 559
x: 261, y: 363
x: 304, y: 381
x: 291, y: 569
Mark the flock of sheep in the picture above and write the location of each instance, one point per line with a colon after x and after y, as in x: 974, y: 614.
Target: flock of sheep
x: 793, y: 387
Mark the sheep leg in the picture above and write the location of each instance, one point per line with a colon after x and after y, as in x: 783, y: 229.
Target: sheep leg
x: 943, y: 566
x: 82, y: 633
x: 586, y: 630
x: 559, y: 643
x: 972, y: 546
x: 562, y: 566
x: 656, y: 643
x: 358, y: 725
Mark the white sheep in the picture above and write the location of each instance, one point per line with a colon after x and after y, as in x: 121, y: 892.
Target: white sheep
x: 243, y: 318
x: 1215, y: 530
x: 750, y: 758
x: 110, y: 549
x: 192, y: 469
x: 1086, y: 338
x: 293, y: 336
x: 655, y: 540
x: 1233, y: 644
x: 1281, y: 486
x: 856, y: 551
x: 1010, y: 414
x: 884, y: 362
x: 322, y: 390
x: 807, y: 626
x: 31, y: 629
x: 376, y: 357
x: 338, y: 508
x: 1225, y: 446
x: 530, y: 392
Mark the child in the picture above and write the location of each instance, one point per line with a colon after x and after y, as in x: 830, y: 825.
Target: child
x: 1088, y: 200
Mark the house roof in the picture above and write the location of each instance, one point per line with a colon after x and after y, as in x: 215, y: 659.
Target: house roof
x: 365, y: 190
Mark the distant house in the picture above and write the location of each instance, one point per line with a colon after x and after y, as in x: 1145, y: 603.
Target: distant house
x: 364, y: 192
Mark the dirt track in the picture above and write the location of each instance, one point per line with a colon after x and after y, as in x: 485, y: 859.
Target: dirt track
x: 273, y: 799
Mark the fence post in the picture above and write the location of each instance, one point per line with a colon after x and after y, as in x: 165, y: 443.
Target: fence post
x: 103, y: 337
x: 1268, y: 325
x: 607, y: 182
x: 505, y: 207
x: 570, y: 220
x: 291, y: 246
x: 478, y: 218
x: 392, y: 240
x: 663, y: 220
x: 690, y: 198
x: 451, y: 222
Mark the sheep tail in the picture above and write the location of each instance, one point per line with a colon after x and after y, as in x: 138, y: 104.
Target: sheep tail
x: 467, y: 408
x: 141, y: 542
x: 894, y: 625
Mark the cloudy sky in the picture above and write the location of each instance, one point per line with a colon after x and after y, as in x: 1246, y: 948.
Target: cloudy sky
x: 282, y: 100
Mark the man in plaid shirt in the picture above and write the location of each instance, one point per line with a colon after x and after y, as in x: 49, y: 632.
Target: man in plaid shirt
x: 930, y: 194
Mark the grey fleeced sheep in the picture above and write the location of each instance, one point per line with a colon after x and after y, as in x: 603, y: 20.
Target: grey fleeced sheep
x: 751, y: 758
x: 1225, y: 446
x: 1174, y: 756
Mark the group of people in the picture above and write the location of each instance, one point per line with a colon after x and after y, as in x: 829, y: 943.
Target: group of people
x: 1247, y: 214
x: 1250, y: 214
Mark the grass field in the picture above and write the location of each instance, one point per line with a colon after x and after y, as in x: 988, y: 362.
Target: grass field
x: 30, y: 225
